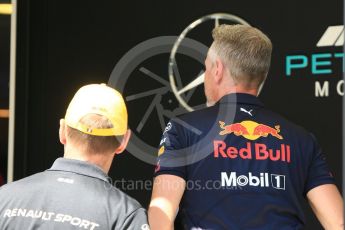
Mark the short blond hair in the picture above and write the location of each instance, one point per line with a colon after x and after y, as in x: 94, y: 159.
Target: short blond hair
x: 94, y: 144
x: 245, y: 51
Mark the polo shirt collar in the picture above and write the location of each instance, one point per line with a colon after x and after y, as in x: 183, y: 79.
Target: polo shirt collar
x: 241, y: 98
x: 79, y: 167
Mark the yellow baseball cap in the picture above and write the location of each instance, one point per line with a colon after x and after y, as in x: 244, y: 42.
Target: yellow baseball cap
x: 102, y: 100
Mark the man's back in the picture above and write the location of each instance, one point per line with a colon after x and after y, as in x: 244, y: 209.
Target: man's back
x: 71, y: 195
x: 246, y: 171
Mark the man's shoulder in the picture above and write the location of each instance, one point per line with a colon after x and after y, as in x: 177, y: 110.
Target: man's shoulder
x: 291, y: 129
x: 128, y: 212
x: 211, y: 115
x: 201, y: 114
x: 198, y: 120
x: 24, y: 182
x: 289, y: 123
x: 119, y: 197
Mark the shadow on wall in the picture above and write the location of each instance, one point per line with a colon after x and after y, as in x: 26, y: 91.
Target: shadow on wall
x: 3, y: 149
x: 3, y: 127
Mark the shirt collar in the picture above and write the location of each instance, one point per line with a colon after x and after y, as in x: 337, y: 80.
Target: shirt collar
x: 79, y: 167
x: 241, y: 98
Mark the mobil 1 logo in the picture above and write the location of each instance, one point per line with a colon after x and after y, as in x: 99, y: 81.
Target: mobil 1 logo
x: 232, y: 179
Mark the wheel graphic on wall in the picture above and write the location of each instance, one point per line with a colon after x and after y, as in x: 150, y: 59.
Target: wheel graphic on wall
x: 157, y: 79
x: 215, y: 19
x: 149, y: 109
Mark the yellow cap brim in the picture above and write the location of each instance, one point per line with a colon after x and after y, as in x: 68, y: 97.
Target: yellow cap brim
x: 102, y: 100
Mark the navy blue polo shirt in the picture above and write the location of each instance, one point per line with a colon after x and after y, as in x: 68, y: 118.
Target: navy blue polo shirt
x: 245, y: 166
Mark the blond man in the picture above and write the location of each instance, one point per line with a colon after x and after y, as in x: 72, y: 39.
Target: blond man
x: 246, y: 167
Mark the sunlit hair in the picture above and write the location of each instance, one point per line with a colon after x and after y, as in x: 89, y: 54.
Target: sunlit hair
x: 244, y: 50
x: 94, y: 144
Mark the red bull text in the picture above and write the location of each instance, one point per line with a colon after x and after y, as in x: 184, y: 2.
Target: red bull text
x: 256, y: 151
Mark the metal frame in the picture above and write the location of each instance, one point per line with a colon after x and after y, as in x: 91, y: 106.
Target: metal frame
x: 10, y: 162
x: 343, y: 115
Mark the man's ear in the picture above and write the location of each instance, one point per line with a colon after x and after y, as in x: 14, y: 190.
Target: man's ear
x: 62, y: 132
x: 219, y: 70
x: 124, y: 142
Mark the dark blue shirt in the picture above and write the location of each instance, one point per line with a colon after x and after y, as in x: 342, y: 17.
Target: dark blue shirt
x: 245, y: 166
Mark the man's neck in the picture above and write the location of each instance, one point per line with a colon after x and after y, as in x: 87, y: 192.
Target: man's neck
x: 236, y: 89
x: 253, y: 92
x: 102, y: 160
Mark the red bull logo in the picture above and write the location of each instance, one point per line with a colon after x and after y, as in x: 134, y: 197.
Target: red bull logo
x: 250, y: 130
x: 252, y: 151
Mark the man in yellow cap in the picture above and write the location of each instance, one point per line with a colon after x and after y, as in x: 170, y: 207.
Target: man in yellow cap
x: 75, y: 193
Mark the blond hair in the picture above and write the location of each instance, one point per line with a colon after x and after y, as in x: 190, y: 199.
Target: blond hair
x: 245, y: 51
x: 90, y: 143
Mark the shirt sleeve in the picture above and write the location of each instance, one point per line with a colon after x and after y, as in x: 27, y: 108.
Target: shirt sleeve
x: 319, y: 172
x: 171, y: 154
x: 136, y: 220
